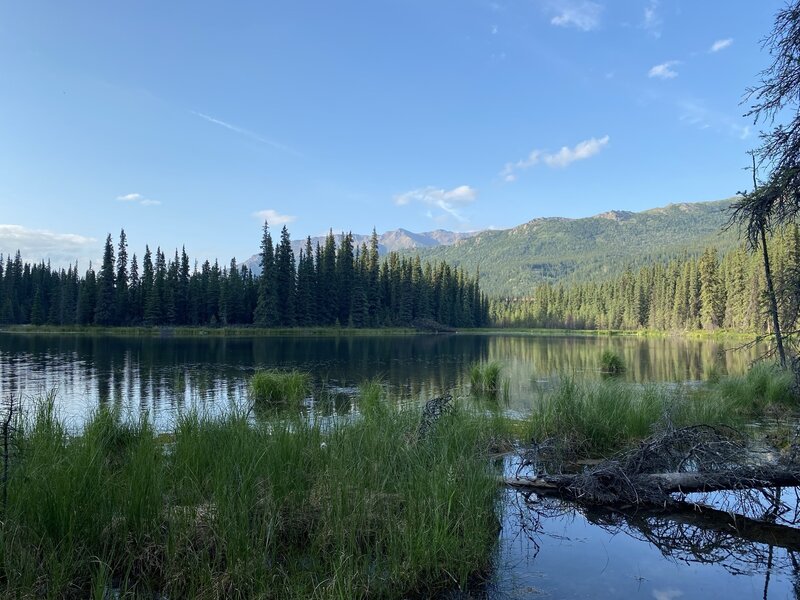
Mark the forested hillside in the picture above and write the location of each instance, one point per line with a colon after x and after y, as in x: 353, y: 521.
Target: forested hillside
x: 707, y: 292
x: 514, y: 261
x: 328, y: 284
x: 388, y: 241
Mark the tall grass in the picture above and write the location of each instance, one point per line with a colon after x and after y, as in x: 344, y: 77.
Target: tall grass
x: 596, y: 418
x: 232, y: 509
x: 485, y: 379
x: 279, y: 387
x: 611, y: 363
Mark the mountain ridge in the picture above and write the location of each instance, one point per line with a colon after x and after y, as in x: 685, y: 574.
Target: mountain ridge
x: 554, y: 249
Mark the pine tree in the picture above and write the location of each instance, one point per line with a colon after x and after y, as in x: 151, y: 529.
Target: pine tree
x: 266, y: 313
x: 122, y: 284
x: 285, y: 280
x: 105, y: 308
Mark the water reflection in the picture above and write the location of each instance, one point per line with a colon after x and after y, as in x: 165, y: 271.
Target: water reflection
x: 679, y: 552
x: 166, y: 375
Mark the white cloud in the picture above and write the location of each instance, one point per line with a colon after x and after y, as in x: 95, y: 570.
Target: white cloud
x: 651, y: 22
x: 721, y: 45
x: 41, y: 244
x: 129, y: 198
x: 449, y: 201
x: 581, y: 14
x: 273, y: 217
x: 138, y: 199
x: 665, y: 70
x: 668, y: 594
x: 556, y: 160
x: 245, y: 132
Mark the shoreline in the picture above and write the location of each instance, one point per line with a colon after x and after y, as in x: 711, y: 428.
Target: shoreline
x: 249, y: 331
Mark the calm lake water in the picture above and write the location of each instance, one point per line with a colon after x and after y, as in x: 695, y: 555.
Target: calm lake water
x: 546, y: 550
x: 167, y: 375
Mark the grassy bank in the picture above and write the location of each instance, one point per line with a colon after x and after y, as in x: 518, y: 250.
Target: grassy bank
x: 229, y: 508
x: 598, y: 418
x: 91, y: 330
x: 252, y: 331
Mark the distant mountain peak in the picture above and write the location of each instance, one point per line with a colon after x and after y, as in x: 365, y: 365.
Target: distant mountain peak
x: 389, y: 241
x: 617, y: 215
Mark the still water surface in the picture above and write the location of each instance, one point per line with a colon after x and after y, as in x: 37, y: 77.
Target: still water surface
x: 166, y: 375
x: 545, y: 550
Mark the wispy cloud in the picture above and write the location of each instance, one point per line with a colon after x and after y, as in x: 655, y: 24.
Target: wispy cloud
x: 665, y: 70
x: 721, y: 45
x: 138, y: 199
x: 694, y: 112
x: 130, y: 198
x: 273, y: 217
x: 580, y: 14
x: 448, y: 201
x: 246, y: 132
x: 41, y: 244
x: 556, y: 160
x: 651, y: 21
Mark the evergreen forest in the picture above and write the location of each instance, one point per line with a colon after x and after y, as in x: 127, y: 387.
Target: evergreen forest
x: 706, y: 292
x: 326, y: 285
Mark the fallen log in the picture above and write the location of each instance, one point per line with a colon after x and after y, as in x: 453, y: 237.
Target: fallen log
x: 604, y: 486
x: 706, y: 518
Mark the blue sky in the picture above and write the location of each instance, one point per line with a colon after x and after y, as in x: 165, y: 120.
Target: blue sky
x: 188, y: 122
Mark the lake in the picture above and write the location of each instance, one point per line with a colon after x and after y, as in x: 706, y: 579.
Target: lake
x: 546, y: 549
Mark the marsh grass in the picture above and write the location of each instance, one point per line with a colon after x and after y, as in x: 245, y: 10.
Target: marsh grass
x: 588, y: 418
x: 229, y: 508
x: 611, y: 363
x: 485, y: 379
x: 279, y: 387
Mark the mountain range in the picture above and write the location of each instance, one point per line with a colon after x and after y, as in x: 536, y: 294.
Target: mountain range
x: 512, y: 261
x: 389, y: 241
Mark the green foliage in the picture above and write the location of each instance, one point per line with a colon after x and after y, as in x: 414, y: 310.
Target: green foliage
x: 347, y: 286
x: 611, y: 363
x: 688, y: 294
x: 279, y: 387
x: 557, y: 250
x: 590, y: 418
x: 485, y: 379
x: 598, y: 418
x: 228, y: 508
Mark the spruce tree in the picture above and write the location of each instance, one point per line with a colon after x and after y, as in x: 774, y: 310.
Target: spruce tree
x: 285, y: 280
x: 266, y: 314
x: 105, y: 308
x: 122, y: 283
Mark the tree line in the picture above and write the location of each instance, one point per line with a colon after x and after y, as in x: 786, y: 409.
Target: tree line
x: 705, y: 292
x: 329, y: 284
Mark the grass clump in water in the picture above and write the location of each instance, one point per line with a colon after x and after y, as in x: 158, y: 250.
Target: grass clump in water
x: 611, y: 363
x: 485, y: 379
x: 279, y: 387
x: 236, y: 509
x: 597, y: 418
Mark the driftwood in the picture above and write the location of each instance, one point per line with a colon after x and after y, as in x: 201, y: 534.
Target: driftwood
x: 674, y: 461
x: 653, y: 488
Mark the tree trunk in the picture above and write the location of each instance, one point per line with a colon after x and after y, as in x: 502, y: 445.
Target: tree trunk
x: 773, y: 301
x: 573, y: 486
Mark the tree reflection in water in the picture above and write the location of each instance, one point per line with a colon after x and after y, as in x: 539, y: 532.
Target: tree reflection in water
x: 747, y: 533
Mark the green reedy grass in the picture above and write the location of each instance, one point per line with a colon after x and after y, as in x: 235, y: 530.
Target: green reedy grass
x: 598, y: 418
x: 279, y: 387
x: 485, y: 379
x: 611, y: 363
x: 231, y: 508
